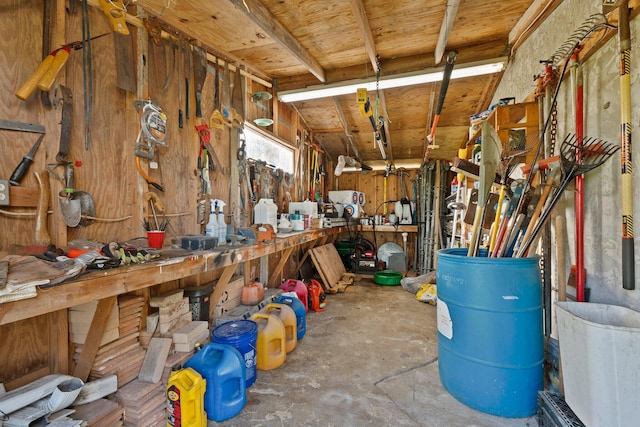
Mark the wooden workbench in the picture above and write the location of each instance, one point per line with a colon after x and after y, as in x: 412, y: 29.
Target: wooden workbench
x: 98, y: 285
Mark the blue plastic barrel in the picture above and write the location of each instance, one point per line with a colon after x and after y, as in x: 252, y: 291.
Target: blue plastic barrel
x: 490, y: 337
x: 299, y: 310
x: 223, y: 369
x: 242, y: 335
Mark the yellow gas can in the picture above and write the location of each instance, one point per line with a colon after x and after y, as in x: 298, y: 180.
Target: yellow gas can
x: 185, y: 398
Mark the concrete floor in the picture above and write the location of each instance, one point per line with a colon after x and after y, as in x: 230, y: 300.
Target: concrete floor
x: 371, y: 358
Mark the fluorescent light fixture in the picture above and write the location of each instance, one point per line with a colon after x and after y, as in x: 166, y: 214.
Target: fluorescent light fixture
x: 399, y: 80
x: 380, y: 165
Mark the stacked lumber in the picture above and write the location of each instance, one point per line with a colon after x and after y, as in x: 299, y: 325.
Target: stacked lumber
x: 173, y: 311
x: 185, y: 338
x: 329, y: 265
x: 100, y: 413
x: 80, y: 317
x: 129, y: 314
x: 122, y: 357
x: 144, y: 403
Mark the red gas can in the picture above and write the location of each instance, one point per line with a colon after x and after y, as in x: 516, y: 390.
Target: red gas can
x: 299, y: 288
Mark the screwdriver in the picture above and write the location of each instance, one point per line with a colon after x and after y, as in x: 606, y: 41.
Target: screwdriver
x: 23, y: 167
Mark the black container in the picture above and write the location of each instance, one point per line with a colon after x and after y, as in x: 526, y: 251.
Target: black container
x: 199, y: 301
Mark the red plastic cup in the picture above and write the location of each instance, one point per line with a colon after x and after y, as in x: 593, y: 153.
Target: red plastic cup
x: 155, y: 238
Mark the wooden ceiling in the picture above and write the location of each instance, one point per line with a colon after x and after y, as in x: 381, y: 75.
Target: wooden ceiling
x: 299, y: 43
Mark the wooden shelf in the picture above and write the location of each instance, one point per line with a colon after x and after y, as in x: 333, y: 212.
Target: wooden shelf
x: 176, y: 264
x: 391, y: 228
x: 506, y: 118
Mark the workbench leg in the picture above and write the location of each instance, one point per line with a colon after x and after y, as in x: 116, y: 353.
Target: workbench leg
x: 59, y: 342
x: 283, y: 260
x: 264, y: 269
x: 221, y: 286
x: 94, y: 337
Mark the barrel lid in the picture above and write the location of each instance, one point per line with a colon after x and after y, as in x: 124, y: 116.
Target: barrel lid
x: 235, y: 328
x: 198, y: 291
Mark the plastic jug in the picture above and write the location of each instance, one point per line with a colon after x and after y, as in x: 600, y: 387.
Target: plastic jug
x: 252, y: 293
x: 270, y: 349
x: 266, y: 212
x: 223, y: 368
x: 242, y: 335
x: 299, y: 310
x: 299, y: 288
x: 185, y: 398
x: 289, y: 321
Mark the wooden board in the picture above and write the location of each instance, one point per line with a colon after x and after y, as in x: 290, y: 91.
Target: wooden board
x: 329, y: 265
x: 98, y: 412
x: 154, y: 360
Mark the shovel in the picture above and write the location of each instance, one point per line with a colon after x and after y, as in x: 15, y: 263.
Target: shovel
x: 75, y: 204
x: 491, y: 147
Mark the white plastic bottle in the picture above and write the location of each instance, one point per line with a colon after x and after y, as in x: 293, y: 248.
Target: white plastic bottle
x: 222, y: 226
x: 211, y: 228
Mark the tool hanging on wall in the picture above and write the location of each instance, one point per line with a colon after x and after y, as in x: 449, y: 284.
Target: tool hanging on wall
x: 116, y: 12
x: 23, y: 167
x: 237, y: 98
x: 153, y: 131
x: 199, y: 75
x: 628, y: 260
x: 87, y: 72
x: 46, y: 73
x: 153, y: 128
x: 216, y: 120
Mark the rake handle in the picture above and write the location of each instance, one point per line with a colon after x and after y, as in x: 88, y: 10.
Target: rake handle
x: 524, y: 249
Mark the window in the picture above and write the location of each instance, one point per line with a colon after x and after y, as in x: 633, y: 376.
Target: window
x: 260, y: 146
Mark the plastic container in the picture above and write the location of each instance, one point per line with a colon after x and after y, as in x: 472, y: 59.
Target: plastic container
x: 185, y: 398
x: 252, y: 293
x: 241, y: 335
x: 266, y: 212
x: 155, y: 239
x: 223, y: 368
x: 300, y: 310
x: 490, y: 338
x: 297, y: 286
x: 289, y: 321
x: 271, y: 353
x: 199, y: 301
x: 599, y: 347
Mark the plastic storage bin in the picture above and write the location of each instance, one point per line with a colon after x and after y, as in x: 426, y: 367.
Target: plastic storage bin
x: 599, y: 347
x: 490, y: 339
x: 199, y: 301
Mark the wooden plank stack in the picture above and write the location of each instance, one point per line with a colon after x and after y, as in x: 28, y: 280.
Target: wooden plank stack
x: 173, y: 311
x: 100, y: 413
x: 80, y: 318
x: 124, y: 356
x: 144, y: 403
x: 185, y: 338
x: 331, y: 269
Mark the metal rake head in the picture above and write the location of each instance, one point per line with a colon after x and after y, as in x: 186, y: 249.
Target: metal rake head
x: 582, y: 155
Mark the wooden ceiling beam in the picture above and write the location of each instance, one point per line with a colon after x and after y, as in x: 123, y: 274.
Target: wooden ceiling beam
x: 450, y: 12
x: 365, y: 29
x: 484, y: 51
x: 261, y: 16
x: 530, y: 21
x: 353, y: 148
